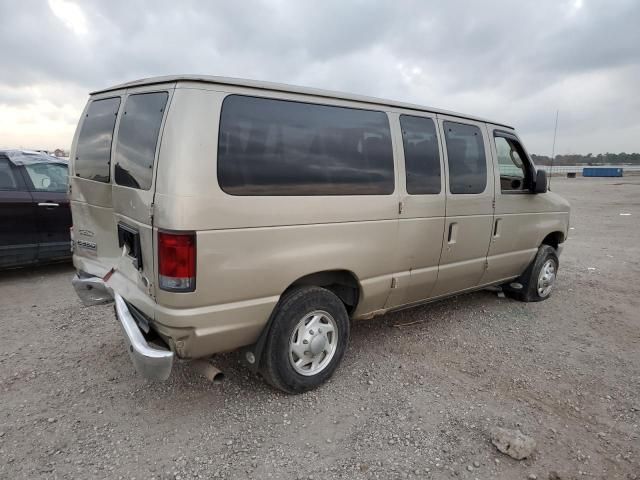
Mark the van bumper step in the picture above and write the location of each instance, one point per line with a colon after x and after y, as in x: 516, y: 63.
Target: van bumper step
x: 149, y: 361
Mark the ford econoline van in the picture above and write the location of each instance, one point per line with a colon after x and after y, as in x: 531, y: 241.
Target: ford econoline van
x: 224, y: 214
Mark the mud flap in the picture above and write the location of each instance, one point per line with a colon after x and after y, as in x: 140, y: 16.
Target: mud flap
x: 252, y: 354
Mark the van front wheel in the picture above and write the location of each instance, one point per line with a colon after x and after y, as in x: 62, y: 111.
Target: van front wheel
x: 538, y: 280
x: 307, y: 339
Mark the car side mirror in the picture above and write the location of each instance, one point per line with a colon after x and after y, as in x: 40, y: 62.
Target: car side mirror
x: 541, y: 182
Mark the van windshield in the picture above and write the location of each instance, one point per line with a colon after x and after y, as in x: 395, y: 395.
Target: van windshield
x: 138, y: 138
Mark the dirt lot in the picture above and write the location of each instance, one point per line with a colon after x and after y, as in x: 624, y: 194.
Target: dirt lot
x: 408, y: 402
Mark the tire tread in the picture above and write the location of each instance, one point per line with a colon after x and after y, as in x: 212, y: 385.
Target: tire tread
x: 277, y: 374
x: 529, y: 278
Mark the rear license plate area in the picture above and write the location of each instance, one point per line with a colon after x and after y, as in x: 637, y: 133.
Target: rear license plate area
x: 130, y: 237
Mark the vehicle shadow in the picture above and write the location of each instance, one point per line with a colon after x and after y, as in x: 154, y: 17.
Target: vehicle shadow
x: 370, y: 339
x: 34, y: 271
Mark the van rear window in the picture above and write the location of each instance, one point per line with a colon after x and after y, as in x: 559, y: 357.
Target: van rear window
x: 138, y: 138
x: 93, y: 153
x: 278, y: 147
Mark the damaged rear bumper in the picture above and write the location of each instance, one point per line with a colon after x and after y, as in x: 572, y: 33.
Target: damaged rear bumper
x: 149, y: 361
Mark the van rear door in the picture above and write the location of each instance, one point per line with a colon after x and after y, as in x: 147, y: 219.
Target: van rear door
x: 112, y: 189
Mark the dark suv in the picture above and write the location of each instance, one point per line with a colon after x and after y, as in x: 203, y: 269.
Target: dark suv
x: 34, y: 208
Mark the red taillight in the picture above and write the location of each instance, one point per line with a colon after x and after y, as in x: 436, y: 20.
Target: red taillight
x: 177, y: 261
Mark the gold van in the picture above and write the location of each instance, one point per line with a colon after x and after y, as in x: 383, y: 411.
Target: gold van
x: 222, y: 214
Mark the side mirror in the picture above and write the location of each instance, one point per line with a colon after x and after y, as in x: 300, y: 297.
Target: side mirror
x: 541, y: 182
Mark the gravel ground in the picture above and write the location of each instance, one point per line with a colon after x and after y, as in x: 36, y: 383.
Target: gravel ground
x: 413, y: 401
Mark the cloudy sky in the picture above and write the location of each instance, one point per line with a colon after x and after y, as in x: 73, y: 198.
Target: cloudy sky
x: 508, y: 60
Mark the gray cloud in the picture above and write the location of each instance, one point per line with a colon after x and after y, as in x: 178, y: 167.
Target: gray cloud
x: 515, y: 62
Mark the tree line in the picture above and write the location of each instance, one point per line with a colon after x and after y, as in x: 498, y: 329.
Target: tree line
x: 589, y: 159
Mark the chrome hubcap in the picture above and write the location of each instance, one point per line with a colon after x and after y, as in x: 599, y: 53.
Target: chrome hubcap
x: 313, y: 343
x: 547, y: 278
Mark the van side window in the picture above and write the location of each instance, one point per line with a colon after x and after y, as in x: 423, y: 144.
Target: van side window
x: 138, y: 138
x: 277, y: 147
x: 421, y: 155
x: 514, y: 174
x: 467, y: 162
x: 93, y: 153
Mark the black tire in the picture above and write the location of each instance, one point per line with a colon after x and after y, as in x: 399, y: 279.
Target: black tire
x: 295, y: 305
x: 529, y: 279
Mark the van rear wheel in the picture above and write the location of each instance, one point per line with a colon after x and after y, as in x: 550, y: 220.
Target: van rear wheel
x: 307, y: 339
x: 538, y: 280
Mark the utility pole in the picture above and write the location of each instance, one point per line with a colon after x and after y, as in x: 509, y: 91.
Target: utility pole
x: 553, y: 149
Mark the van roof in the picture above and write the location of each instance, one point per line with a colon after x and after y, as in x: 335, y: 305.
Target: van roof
x: 281, y: 87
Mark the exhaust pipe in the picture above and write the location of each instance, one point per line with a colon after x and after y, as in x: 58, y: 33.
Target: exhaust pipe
x: 211, y: 373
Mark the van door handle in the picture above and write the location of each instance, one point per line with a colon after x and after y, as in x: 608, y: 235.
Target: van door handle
x: 453, y: 230
x: 48, y: 204
x: 497, y: 228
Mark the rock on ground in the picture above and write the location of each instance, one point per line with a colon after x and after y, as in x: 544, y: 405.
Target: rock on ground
x: 513, y: 443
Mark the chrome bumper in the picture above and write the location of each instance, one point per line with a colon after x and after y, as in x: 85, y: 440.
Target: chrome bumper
x: 92, y: 290
x: 149, y: 361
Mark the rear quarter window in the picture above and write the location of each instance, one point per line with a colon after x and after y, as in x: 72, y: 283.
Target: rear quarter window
x: 93, y: 153
x: 138, y: 138
x: 281, y: 147
x: 47, y: 177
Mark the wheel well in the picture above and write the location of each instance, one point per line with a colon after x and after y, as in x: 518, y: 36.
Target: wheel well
x: 553, y: 239
x: 343, y: 283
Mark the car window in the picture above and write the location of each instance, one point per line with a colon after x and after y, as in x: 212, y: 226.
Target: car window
x: 48, y: 177
x: 277, y: 147
x: 466, y: 158
x: 512, y: 165
x: 8, y: 179
x: 93, y: 153
x: 138, y: 138
x: 421, y: 155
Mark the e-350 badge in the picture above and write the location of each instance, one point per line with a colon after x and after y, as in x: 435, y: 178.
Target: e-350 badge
x: 91, y: 246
